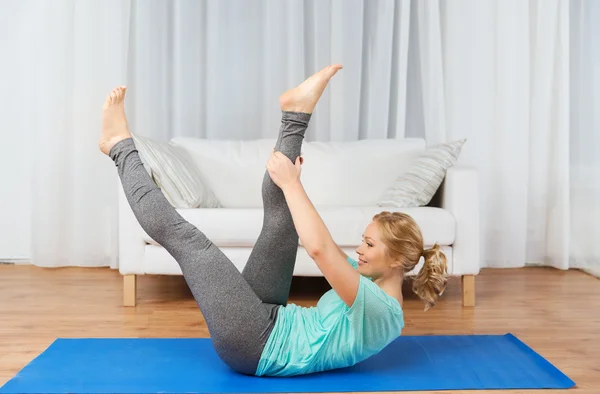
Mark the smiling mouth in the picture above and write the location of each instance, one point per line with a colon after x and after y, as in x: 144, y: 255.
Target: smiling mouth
x: 361, y: 261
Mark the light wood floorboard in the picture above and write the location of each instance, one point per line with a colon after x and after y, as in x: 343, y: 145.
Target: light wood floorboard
x: 555, y: 312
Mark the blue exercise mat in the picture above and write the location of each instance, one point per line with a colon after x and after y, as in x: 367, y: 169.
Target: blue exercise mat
x: 191, y: 365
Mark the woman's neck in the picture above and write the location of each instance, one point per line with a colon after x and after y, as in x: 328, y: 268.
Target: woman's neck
x: 392, y: 285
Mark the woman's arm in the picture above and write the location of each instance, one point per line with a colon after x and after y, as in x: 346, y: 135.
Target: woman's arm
x: 317, y: 240
x: 342, y: 252
x: 319, y: 244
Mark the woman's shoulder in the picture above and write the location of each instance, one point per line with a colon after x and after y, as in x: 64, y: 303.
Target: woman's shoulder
x: 375, y: 295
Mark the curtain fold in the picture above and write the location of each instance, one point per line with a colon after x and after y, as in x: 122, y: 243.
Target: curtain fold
x: 548, y: 188
x: 584, y: 136
x: 79, y: 51
x: 432, y: 70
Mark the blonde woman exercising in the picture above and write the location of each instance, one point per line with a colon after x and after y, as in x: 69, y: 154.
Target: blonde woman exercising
x: 253, y: 329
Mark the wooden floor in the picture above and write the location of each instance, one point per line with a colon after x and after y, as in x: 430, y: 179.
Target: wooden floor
x: 557, y: 313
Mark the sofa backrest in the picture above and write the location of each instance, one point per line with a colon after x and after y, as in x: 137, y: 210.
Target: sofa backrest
x: 340, y: 173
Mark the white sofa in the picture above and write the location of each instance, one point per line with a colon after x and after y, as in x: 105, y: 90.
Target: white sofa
x: 344, y: 181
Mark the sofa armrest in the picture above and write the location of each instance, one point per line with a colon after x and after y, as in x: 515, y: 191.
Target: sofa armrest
x: 132, y: 246
x: 459, y: 195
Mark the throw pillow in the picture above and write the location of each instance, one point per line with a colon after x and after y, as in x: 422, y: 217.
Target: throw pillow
x: 175, y: 174
x: 418, y: 185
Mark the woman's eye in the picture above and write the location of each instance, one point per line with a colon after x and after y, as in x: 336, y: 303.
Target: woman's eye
x: 368, y: 244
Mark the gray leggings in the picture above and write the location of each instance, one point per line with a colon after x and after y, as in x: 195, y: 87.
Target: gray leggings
x: 239, y: 308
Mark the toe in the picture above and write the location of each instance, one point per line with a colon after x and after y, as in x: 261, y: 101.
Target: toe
x: 332, y: 70
x: 121, y: 93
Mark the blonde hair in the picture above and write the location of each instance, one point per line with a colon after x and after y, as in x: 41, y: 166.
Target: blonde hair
x: 404, y: 241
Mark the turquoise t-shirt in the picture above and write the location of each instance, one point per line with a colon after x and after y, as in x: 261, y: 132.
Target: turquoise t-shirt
x: 332, y: 334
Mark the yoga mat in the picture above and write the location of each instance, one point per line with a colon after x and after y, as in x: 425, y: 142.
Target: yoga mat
x: 191, y: 365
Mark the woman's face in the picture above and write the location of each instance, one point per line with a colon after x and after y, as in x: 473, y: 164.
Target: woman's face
x: 373, y: 261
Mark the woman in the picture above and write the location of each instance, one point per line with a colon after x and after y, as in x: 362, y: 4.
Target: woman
x: 253, y: 329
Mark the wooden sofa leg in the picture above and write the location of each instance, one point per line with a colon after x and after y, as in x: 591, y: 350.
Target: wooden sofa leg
x: 468, y: 290
x: 129, y: 290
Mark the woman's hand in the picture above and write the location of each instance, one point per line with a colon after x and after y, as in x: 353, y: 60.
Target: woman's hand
x: 282, y: 171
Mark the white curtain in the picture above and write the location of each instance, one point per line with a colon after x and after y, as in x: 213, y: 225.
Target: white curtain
x: 499, y: 72
x: 215, y: 69
x: 77, y: 51
x: 507, y: 87
x: 521, y: 80
x: 584, y: 137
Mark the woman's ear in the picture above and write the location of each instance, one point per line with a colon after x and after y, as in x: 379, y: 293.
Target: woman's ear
x: 396, y: 264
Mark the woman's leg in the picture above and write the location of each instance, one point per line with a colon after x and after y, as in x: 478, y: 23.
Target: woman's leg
x: 270, y: 268
x: 238, y: 321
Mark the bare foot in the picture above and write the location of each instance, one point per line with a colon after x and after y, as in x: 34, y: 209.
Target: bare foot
x: 114, y: 122
x: 304, y: 97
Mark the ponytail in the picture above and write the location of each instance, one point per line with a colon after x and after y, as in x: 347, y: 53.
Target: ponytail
x: 431, y: 281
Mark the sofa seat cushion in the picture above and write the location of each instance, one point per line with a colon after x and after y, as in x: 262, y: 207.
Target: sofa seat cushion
x: 228, y: 227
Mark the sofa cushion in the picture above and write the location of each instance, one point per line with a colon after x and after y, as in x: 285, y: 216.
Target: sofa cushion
x: 173, y: 172
x: 417, y: 186
x: 241, y: 227
x: 334, y: 174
